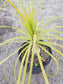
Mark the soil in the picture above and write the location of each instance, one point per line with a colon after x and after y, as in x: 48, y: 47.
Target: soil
x: 42, y: 53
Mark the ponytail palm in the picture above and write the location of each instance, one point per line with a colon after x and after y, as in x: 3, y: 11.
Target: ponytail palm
x: 34, y: 32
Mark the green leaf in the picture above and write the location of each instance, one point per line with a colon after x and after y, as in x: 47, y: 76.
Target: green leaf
x: 52, y: 58
x: 28, y: 27
x: 36, y: 64
x: 18, y: 58
x: 20, y: 70
x: 25, y: 68
x: 42, y: 68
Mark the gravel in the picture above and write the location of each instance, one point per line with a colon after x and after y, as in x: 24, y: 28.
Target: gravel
x: 50, y: 7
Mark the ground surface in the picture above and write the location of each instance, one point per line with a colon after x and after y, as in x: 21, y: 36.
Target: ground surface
x: 50, y: 7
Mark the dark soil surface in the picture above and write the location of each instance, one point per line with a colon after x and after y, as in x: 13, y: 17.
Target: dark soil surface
x: 42, y: 53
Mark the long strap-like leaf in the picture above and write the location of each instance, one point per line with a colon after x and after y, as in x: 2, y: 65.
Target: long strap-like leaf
x: 25, y: 68
x: 31, y: 63
x: 22, y: 7
x: 16, y: 15
x: 28, y: 29
x: 5, y: 57
x: 20, y: 70
x: 56, y: 50
x: 24, y: 32
x: 41, y: 65
x: 18, y: 58
x: 42, y: 31
x: 52, y: 58
x: 9, y: 56
x: 40, y: 23
x: 52, y: 20
x: 16, y: 38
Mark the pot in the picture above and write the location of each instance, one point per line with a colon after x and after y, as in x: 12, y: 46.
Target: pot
x: 35, y: 70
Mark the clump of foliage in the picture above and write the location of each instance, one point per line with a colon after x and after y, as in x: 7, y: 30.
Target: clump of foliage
x: 35, y: 31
